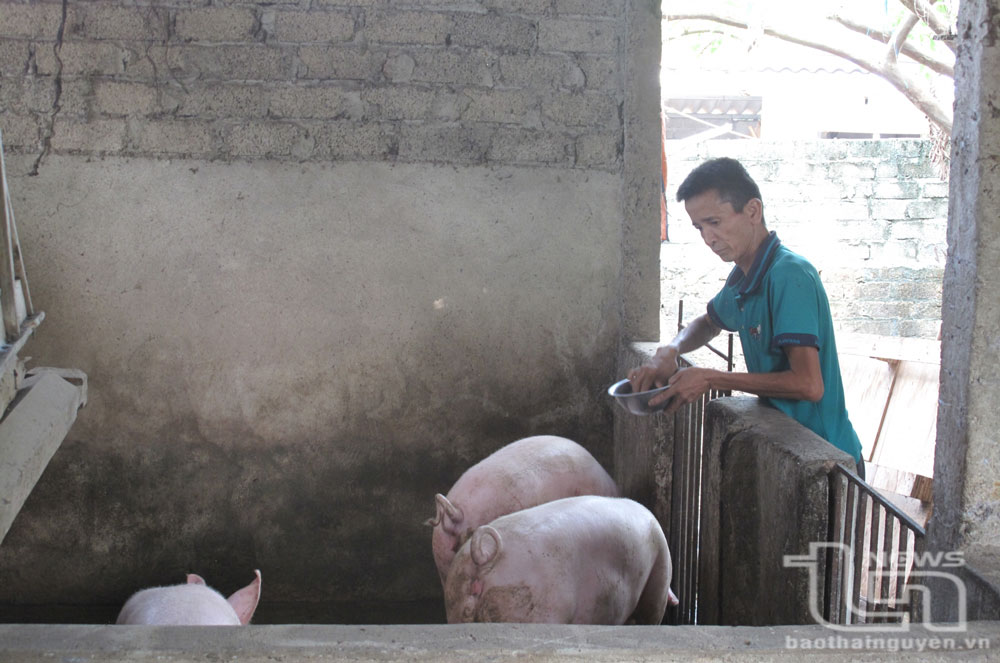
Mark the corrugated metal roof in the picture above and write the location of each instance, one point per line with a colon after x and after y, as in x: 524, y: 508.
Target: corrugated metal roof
x: 707, y: 105
x: 815, y: 70
x: 773, y: 70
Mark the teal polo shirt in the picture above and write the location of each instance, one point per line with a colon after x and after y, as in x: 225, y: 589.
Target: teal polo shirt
x: 781, y: 302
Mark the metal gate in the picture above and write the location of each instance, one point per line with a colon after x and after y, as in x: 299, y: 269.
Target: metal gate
x: 871, y: 554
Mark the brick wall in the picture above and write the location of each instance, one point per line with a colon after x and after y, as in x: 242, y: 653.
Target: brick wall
x: 871, y: 215
x: 522, y: 82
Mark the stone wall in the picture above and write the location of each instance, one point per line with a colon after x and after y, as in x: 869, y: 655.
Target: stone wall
x: 533, y: 82
x: 317, y: 258
x: 871, y: 215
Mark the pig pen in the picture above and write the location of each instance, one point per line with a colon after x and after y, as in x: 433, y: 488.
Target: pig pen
x: 299, y: 321
x: 643, y: 466
x: 257, y: 400
x: 315, y: 259
x: 652, y: 464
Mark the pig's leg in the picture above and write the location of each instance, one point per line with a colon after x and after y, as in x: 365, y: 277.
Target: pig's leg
x: 653, y: 600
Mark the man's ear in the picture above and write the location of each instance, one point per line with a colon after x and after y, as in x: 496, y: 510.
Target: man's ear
x: 755, y: 208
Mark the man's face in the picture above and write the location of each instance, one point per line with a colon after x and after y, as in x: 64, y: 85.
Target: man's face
x: 730, y: 234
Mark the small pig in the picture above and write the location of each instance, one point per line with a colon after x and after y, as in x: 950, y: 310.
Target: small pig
x: 191, y: 604
x: 578, y: 560
x: 525, y: 473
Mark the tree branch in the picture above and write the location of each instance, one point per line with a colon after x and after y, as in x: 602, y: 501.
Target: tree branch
x: 934, y: 20
x: 912, y: 88
x: 899, y: 36
x: 909, y: 50
x: 686, y: 32
x: 694, y: 32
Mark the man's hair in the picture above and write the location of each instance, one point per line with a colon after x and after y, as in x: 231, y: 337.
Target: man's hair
x: 726, y: 176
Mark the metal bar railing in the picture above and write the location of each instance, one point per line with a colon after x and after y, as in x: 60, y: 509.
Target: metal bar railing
x: 685, y: 531
x: 867, y: 568
x: 681, y: 517
x: 872, y: 554
x: 686, y: 492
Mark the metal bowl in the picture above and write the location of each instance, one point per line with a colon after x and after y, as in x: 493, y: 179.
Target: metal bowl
x: 636, y: 403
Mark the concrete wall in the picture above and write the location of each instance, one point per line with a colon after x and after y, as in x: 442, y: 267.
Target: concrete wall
x: 966, y: 493
x: 765, y: 494
x: 871, y: 215
x: 316, y: 259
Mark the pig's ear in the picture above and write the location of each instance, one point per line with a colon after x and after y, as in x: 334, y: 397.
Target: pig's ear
x: 448, y: 516
x: 485, y: 546
x: 244, y: 601
x: 672, y: 598
x: 195, y: 579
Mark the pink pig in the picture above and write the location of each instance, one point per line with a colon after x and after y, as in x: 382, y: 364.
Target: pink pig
x: 191, y: 604
x: 525, y: 473
x: 578, y: 560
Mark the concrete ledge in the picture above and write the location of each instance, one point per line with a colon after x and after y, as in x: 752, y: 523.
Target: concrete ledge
x: 477, y: 642
x: 765, y: 494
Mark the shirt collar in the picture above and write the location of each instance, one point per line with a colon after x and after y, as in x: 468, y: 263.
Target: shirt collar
x: 750, y: 283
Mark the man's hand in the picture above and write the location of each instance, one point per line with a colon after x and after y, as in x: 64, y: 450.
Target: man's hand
x: 655, y: 372
x: 686, y: 386
x: 802, y: 381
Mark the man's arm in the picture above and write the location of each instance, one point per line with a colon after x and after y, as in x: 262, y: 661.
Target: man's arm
x: 657, y: 370
x: 802, y: 381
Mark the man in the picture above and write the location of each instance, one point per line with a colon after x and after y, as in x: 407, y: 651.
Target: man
x: 773, y: 298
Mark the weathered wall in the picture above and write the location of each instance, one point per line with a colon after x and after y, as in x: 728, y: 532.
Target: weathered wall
x: 966, y: 492
x: 765, y: 494
x: 316, y: 258
x: 871, y: 215
x: 508, y: 81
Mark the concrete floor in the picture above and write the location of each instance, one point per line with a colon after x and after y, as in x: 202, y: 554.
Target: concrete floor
x: 491, y: 642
